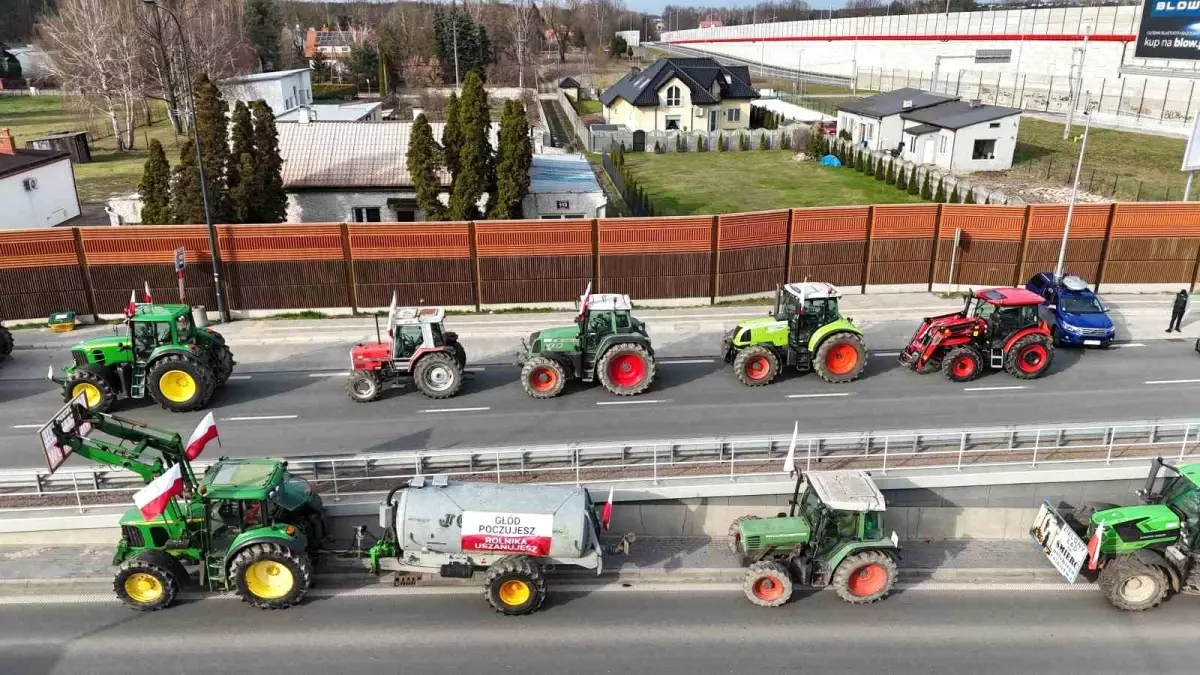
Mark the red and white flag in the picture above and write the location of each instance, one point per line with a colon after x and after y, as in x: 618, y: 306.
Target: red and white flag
x: 131, y: 308
x: 606, y: 512
x: 1093, y: 547
x: 205, y: 432
x: 583, y: 301
x: 153, y: 499
x: 149, y: 297
x: 789, y: 462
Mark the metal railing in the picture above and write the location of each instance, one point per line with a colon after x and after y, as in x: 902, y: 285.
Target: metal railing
x: 668, y: 461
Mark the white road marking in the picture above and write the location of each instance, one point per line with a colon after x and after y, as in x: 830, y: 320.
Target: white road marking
x: 1012, y: 388
x: 240, y: 377
x: 1171, y: 381
x: 886, y: 353
x: 474, y: 369
x: 28, y: 426
x: 259, y: 417
x: 683, y: 361
x: 449, y: 410
x: 844, y: 393
x: 329, y: 374
x: 633, y: 402
x: 1123, y: 345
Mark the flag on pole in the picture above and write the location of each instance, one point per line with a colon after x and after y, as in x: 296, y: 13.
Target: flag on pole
x: 606, y: 512
x: 789, y: 462
x: 131, y: 308
x: 50, y: 373
x: 153, y: 499
x: 149, y: 297
x: 1093, y: 547
x: 205, y: 432
x: 583, y: 301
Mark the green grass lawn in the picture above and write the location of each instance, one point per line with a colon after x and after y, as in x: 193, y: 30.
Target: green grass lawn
x: 697, y: 183
x: 587, y: 107
x: 110, y: 172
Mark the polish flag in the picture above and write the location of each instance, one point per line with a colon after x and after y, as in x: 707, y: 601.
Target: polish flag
x: 153, y: 499
x: 789, y: 462
x: 583, y: 302
x: 205, y: 432
x: 131, y: 309
x: 1093, y: 547
x: 149, y: 298
x: 606, y: 512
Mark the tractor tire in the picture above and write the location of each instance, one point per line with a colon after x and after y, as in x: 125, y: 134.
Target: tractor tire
x: 841, y: 358
x: 145, y: 585
x: 1029, y: 358
x: 270, y: 576
x: 962, y: 364
x: 626, y: 369
x: 363, y: 386
x: 735, y: 533
x: 756, y: 366
x: 768, y: 584
x: 180, y: 384
x: 543, y: 378
x: 931, y: 366
x: 224, y: 366
x: 865, y: 577
x: 460, y: 354
x: 94, y: 385
x: 6, y: 343
x: 1132, y: 585
x: 514, y: 585
x: 438, y: 375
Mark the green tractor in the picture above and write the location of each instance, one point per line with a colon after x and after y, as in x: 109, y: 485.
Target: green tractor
x: 832, y: 535
x: 165, y: 355
x: 246, y: 524
x: 1142, y: 553
x: 805, y: 331
x: 605, y: 343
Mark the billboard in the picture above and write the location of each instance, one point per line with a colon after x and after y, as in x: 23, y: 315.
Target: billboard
x: 1170, y: 30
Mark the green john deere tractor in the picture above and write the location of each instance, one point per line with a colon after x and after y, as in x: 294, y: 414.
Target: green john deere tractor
x: 805, y: 331
x: 1144, y: 552
x: 164, y: 355
x: 605, y: 343
x: 832, y: 535
x: 246, y: 525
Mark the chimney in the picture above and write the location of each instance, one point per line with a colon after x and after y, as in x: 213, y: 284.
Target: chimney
x: 303, y: 116
x: 906, y: 103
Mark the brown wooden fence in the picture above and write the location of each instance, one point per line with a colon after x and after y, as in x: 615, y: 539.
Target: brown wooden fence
x: 92, y: 270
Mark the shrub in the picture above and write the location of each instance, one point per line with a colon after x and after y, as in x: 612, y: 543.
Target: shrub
x: 701, y: 146
x: 914, y: 182
x: 844, y: 134
x: 324, y: 91
x: 926, y: 188
x: 658, y: 149
x: 764, y: 143
x: 880, y: 171
x: 785, y: 141
x: 743, y: 142
x: 970, y: 197
x: 939, y: 195
x: 891, y: 173
x: 721, y: 143
x: 678, y: 142
x: 901, y: 180
x: 954, y: 195
x: 860, y: 162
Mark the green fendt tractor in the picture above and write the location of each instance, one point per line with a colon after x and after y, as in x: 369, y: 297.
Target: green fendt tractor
x: 832, y: 535
x: 164, y: 355
x: 605, y: 343
x: 246, y: 524
x: 1143, y: 552
x: 805, y: 331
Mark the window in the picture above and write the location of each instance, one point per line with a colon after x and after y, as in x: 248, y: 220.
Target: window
x: 994, y: 125
x: 673, y: 96
x: 733, y: 115
x: 672, y: 123
x: 984, y: 149
x: 942, y: 145
x: 869, y: 132
x: 295, y: 96
x: 366, y: 214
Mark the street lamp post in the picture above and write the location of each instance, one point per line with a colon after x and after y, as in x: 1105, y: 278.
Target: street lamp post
x: 212, y: 230
x: 1062, y: 250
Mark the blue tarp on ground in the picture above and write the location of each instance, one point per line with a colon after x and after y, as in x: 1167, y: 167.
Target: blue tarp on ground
x: 830, y: 160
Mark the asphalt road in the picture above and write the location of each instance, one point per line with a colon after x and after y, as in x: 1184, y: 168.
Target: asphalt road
x: 683, y: 632
x: 266, y: 410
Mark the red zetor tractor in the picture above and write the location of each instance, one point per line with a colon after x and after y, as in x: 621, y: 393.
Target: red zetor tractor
x: 419, y: 348
x: 998, y: 328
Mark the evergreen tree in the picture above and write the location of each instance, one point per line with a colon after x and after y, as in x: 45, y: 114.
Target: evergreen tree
x: 939, y: 195
x: 242, y: 142
x: 475, y: 155
x: 859, y: 162
x: 187, y: 203
x: 452, y: 138
x: 954, y: 195
x: 785, y: 141
x: 155, y: 188
x: 424, y: 159
x: 271, y: 202
x: 764, y: 143
x: 880, y: 170
x: 658, y: 149
x: 814, y: 142
x: 678, y: 142
x: 970, y: 197
x: 212, y: 130
x: 869, y: 164
x: 701, y: 146
x: 901, y: 180
x: 264, y: 26
x: 720, y: 143
x: 914, y: 182
x: 244, y: 194
x: 743, y: 142
x: 926, y: 189
x: 513, y: 161
x: 455, y: 27
x: 890, y: 178
x: 320, y: 67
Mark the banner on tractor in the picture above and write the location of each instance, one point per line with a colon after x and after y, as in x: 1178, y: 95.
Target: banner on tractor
x: 1062, y: 546
x: 68, y: 422
x: 490, y: 532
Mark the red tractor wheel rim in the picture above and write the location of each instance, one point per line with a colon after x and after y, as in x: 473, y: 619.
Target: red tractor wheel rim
x: 758, y: 367
x: 964, y: 366
x: 841, y: 359
x: 627, y: 370
x: 867, y: 580
x: 767, y: 588
x: 1032, y: 358
x: 543, y: 379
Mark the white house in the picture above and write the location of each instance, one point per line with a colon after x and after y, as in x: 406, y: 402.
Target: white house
x: 37, y: 187
x: 563, y: 186
x: 334, y: 112
x: 962, y: 136
x: 681, y: 94
x: 874, y: 121
x: 283, y: 90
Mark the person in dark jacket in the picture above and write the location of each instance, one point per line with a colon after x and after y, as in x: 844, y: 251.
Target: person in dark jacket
x: 1181, y: 300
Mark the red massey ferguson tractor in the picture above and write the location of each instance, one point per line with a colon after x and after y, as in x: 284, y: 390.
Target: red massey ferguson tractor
x: 998, y: 328
x: 420, y: 348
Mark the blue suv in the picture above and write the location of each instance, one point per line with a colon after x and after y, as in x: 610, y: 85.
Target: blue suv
x: 1076, y: 316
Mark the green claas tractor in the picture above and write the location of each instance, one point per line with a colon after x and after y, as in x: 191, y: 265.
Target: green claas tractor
x: 805, y: 331
x: 605, y: 343
x: 832, y: 535
x: 246, y: 525
x: 164, y: 355
x: 1142, y: 553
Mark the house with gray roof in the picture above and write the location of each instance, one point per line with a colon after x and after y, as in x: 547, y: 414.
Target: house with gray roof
x: 681, y: 94
x: 874, y: 121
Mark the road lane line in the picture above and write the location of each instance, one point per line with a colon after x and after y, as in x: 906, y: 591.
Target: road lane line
x: 27, y: 426
x: 256, y: 418
x: 240, y: 377
x: 634, y: 402
x: 886, y: 353
x: 1123, y: 345
x: 1012, y: 388
x: 450, y: 410
x: 1171, y: 381
x: 328, y: 374
x: 844, y: 393
x: 474, y: 369
x: 684, y: 361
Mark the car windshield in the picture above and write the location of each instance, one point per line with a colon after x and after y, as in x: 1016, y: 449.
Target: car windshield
x: 1081, y: 304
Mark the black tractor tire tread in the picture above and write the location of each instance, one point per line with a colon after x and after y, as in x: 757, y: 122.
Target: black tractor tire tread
x: 224, y: 365
x: 841, y: 338
x: 613, y: 351
x: 539, y: 362
x: 735, y: 530
x: 766, y: 568
x: 841, y: 576
x: 948, y: 363
x: 165, y: 574
x: 301, y: 568
x: 205, y: 380
x: 460, y: 354
x: 1010, y: 359
x: 108, y: 395
x: 430, y: 361
x: 743, y: 358
x: 358, y: 376
x: 1117, y: 571
x: 6, y: 343
x: 518, y: 567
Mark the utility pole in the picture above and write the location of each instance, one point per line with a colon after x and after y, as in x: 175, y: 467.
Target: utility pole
x: 1076, y: 81
x: 1062, y: 250
x: 454, y: 33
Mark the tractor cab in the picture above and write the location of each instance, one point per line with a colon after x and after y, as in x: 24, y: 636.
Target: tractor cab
x: 1004, y: 310
x: 153, y: 326
x: 806, y: 307
x: 415, y: 328
x: 604, y: 314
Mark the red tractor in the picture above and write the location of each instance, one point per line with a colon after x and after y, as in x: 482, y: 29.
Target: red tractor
x: 419, y: 348
x: 998, y: 328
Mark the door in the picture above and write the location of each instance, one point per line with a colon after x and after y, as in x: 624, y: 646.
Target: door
x: 712, y: 120
x: 639, y: 141
x: 406, y: 341
x: 930, y: 146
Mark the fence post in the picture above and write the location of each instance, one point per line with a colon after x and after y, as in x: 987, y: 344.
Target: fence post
x: 596, y: 254
x: 1106, y: 245
x: 1195, y: 271
x: 477, y: 277
x: 1183, y: 446
x: 937, y: 244
x: 86, y: 274
x: 866, y: 275
x: 714, y: 286
x: 787, y: 249
x: 1019, y: 272
x: 348, y: 259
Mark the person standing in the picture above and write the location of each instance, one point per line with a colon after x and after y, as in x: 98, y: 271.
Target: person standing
x: 1178, y: 310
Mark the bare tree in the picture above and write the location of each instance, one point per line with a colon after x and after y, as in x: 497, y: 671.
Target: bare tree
x: 521, y: 23
x: 556, y: 18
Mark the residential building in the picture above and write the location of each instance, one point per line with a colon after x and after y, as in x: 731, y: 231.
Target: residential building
x: 333, y: 112
x: 563, y: 186
x: 681, y: 94
x: 283, y: 90
x: 37, y: 187
x: 570, y: 87
x: 632, y: 38
x: 962, y: 136
x: 334, y: 44
x: 874, y: 122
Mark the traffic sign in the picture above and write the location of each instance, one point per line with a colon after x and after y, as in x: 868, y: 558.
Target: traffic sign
x: 180, y: 259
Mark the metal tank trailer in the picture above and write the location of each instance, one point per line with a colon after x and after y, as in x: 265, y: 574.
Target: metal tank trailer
x: 511, y: 533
